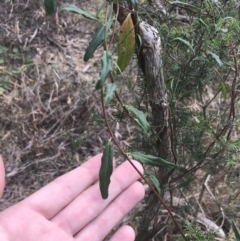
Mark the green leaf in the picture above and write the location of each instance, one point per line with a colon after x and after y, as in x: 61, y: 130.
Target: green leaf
x: 155, y: 182
x: 126, y: 43
x: 186, y: 4
x: 106, y: 61
x: 224, y: 90
x: 74, y: 9
x: 109, y: 91
x: 97, y: 39
x: 236, y: 232
x: 154, y: 161
x: 135, y: 4
x: 201, y: 58
x: 185, y: 94
x: 50, y: 6
x: 106, y: 170
x: 185, y: 42
x: 151, y: 160
x: 216, y: 57
x: 139, y: 38
x: 140, y: 117
x: 201, y: 21
x: 224, y: 30
x: 109, y: 24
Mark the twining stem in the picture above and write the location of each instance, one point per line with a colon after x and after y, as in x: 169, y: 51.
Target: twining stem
x: 130, y: 161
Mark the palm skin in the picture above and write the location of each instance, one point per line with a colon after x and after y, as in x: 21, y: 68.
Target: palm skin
x: 71, y: 207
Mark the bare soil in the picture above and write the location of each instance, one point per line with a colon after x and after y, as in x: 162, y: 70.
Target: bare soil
x: 50, y: 118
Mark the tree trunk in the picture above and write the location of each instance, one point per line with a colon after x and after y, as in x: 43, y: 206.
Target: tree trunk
x: 150, y: 59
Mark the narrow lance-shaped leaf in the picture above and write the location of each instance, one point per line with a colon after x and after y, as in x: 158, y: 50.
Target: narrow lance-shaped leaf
x: 106, y: 61
x: 106, y: 170
x: 126, y: 43
x: 50, y: 6
x: 185, y: 42
x: 74, y: 9
x: 140, y: 43
x: 155, y: 182
x: 109, y: 91
x: 236, y: 232
x: 154, y: 161
x: 224, y: 90
x: 201, y: 58
x: 141, y: 117
x: 97, y: 39
x: 186, y: 4
x: 216, y: 57
x: 135, y: 4
x: 201, y: 21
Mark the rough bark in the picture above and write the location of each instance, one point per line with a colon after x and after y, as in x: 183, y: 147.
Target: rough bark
x: 150, y: 59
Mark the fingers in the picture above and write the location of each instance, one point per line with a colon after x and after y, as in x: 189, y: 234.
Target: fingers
x: 125, y: 233
x: 98, y: 229
x: 3, y: 235
x: 90, y: 204
x: 55, y: 196
x: 2, y: 177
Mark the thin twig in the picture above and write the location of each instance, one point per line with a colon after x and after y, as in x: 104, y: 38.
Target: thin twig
x: 130, y: 161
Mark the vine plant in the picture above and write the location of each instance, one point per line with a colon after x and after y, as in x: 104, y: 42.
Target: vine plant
x: 191, y: 54
x: 126, y: 47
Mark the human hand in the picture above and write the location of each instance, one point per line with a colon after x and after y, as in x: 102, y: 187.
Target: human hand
x: 71, y: 207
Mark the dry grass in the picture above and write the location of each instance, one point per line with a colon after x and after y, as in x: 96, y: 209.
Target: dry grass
x: 51, y: 119
x: 50, y: 115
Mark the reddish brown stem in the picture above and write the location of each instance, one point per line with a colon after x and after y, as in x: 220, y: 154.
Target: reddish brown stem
x: 126, y: 156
